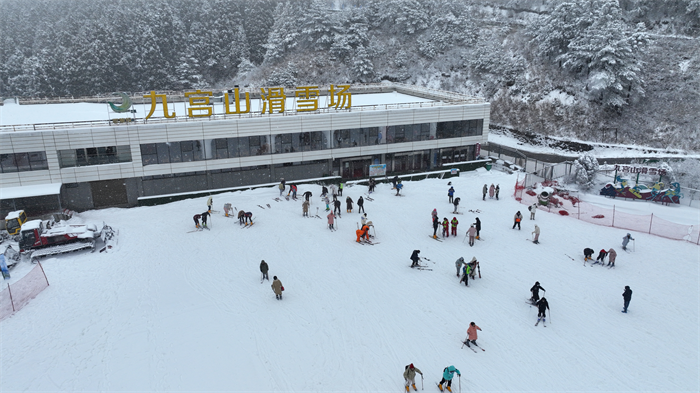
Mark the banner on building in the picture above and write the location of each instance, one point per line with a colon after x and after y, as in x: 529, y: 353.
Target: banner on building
x: 377, y: 170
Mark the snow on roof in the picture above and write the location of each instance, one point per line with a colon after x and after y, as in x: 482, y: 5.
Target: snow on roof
x: 30, y: 191
x: 33, y: 224
x: 14, y: 214
x: 78, y: 112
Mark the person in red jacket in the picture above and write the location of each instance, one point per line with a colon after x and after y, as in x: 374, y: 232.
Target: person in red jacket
x: 471, y: 334
x: 454, y: 223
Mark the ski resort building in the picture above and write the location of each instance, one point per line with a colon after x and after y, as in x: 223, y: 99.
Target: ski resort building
x: 94, y: 154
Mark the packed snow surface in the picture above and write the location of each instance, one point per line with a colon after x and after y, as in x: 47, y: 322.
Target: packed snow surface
x: 173, y: 310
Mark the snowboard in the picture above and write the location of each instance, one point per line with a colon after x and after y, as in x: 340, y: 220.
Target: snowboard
x: 3, y: 268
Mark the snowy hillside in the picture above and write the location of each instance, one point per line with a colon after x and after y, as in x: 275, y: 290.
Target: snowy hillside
x: 174, y: 310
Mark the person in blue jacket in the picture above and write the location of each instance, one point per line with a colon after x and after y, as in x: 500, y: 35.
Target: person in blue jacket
x: 451, y: 193
x: 447, y: 375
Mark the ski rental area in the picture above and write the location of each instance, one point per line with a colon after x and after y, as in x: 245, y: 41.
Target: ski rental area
x: 170, y: 308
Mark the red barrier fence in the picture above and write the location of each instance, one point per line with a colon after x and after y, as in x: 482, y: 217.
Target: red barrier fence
x: 17, y: 295
x: 583, y: 211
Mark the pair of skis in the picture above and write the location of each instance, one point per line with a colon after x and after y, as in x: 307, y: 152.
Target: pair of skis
x: 474, y: 350
x: 543, y: 322
x: 435, y: 238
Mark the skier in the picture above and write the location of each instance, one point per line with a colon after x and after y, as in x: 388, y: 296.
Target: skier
x: 205, y: 215
x: 516, y: 220
x: 307, y: 195
x: 410, y: 376
x: 456, y: 203
x: 537, y: 234
x: 626, y: 240
x: 227, y: 208
x: 447, y: 375
x: 325, y: 199
x: 536, y: 292
x: 498, y: 189
x: 492, y: 191
x: 399, y: 187
x: 445, y: 228
x: 281, y: 187
x: 612, y: 255
x: 210, y: 203
x: 241, y: 217
x: 627, y: 296
x: 415, y: 258
x: 601, y: 256
x: 334, y: 191
x: 348, y: 202
x: 394, y: 181
x: 305, y: 208
x: 471, y: 232
x: 542, y: 306
x: 293, y: 190
x: 330, y: 216
x: 363, y: 232
x: 588, y: 254
x: 196, y: 218
x: 484, y: 191
x: 336, y: 204
x: 434, y: 214
x: 363, y: 219
x: 533, y: 209
x: 450, y: 193
x: 477, y: 225
x: 436, y: 223
x: 471, y: 334
x: 372, y: 184
x: 277, y: 287
x: 324, y: 191
x: 263, y: 269
x: 466, y: 272
x: 458, y: 264
x: 340, y: 188
x: 454, y: 223
x: 361, y: 205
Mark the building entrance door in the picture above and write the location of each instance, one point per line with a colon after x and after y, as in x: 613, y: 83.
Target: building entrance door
x: 353, y: 169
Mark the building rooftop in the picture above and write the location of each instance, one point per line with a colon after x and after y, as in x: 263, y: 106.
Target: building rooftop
x: 61, y: 113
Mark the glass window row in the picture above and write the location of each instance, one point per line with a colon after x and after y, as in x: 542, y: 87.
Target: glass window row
x: 221, y: 148
x: 94, y: 156
x: 22, y: 162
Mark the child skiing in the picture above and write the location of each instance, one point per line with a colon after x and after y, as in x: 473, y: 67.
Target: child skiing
x: 330, y: 216
x: 445, y: 228
x: 536, y: 292
x: 542, y: 307
x: 210, y: 202
x: 415, y: 258
x: 612, y: 255
x: 626, y: 240
x: 196, y: 218
x: 454, y: 223
x: 305, y: 208
x: 348, y: 202
x: 536, y: 232
x: 477, y: 225
x: 458, y: 264
x: 447, y: 375
x: 471, y: 334
x: 436, y: 223
x: 601, y: 257
x: 587, y: 254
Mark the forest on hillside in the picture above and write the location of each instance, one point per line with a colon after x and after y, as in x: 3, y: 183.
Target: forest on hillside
x: 617, y: 71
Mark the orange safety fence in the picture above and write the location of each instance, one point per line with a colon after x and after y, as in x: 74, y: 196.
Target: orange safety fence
x: 15, y: 296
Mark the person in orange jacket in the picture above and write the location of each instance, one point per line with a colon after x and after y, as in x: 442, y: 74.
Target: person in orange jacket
x: 454, y: 223
x: 363, y: 232
x: 471, y: 334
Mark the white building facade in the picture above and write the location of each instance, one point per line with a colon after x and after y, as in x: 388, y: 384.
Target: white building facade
x: 109, y: 163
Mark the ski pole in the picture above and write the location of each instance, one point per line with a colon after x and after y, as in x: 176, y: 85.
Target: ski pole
x: 460, y: 383
x: 421, y: 380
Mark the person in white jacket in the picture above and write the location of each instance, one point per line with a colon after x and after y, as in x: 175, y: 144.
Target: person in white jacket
x: 537, y: 234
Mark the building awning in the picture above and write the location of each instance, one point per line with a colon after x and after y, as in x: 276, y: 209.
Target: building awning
x: 30, y: 191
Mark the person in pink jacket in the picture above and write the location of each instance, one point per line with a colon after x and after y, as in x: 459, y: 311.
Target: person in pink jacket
x: 471, y: 334
x: 471, y: 232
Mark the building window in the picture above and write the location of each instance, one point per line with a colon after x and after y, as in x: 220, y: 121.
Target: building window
x: 94, y: 156
x: 22, y: 162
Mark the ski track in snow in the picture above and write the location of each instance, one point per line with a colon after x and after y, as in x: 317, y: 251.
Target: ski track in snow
x: 171, y: 310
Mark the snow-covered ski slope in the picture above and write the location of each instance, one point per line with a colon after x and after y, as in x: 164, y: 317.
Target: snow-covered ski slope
x: 170, y: 310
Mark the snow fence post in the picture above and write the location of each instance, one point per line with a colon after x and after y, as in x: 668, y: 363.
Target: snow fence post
x: 42, y: 270
x: 650, y: 221
x: 11, y: 301
x: 613, y: 219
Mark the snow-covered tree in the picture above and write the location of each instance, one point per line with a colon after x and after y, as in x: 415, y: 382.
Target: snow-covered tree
x: 585, y: 169
x: 362, y: 67
x: 284, y: 34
